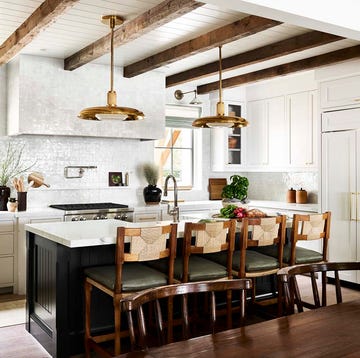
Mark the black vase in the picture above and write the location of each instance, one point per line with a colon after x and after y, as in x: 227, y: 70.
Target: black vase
x: 152, y: 194
x: 4, y: 197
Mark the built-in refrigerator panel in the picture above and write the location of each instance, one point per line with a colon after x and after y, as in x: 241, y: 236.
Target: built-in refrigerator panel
x: 340, y: 181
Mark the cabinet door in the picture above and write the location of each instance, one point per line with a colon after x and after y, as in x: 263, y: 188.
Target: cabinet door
x: 257, y: 134
x: 341, y: 92
x: 301, y: 113
x: 338, y: 184
x: 227, y: 145
x: 267, y: 134
x: 278, y: 129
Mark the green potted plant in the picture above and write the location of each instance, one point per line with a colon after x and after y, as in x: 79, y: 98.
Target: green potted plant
x: 236, y: 191
x: 11, y: 165
x: 152, y: 193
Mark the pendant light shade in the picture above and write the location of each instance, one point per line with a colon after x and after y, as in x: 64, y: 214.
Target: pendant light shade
x: 111, y: 110
x: 220, y: 120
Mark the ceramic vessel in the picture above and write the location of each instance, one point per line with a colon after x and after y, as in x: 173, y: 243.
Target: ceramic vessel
x: 4, y: 197
x: 152, y: 194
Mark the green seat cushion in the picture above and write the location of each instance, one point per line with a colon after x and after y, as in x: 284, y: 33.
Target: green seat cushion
x: 254, y: 261
x: 135, y: 276
x: 200, y: 269
x: 302, y: 255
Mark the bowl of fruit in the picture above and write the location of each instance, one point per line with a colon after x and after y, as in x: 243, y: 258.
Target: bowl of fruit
x: 239, y: 212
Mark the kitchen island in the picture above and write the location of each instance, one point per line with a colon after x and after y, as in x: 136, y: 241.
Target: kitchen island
x: 57, y: 254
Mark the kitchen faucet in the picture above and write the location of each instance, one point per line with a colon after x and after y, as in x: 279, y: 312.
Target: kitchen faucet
x: 175, y: 210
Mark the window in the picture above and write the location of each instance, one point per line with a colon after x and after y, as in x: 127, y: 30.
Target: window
x: 175, y: 152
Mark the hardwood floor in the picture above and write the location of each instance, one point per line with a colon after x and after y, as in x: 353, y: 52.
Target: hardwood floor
x: 16, y: 342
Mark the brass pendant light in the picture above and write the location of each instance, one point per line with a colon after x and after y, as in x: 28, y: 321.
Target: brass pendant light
x: 220, y: 120
x: 111, y: 111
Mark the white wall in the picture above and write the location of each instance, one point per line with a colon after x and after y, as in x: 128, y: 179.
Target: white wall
x: 3, y: 100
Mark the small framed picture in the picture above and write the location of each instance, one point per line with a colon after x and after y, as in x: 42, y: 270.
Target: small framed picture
x: 115, y: 179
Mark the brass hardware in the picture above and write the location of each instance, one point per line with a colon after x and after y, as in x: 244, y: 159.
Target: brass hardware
x: 179, y: 95
x: 111, y: 111
x: 220, y: 120
x: 352, y: 194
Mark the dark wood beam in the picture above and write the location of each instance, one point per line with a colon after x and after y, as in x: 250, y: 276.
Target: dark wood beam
x: 245, y: 27
x: 42, y: 17
x: 159, y: 15
x: 285, y: 69
x: 268, y: 52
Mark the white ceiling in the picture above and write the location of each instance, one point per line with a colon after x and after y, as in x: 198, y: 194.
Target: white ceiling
x: 81, y: 25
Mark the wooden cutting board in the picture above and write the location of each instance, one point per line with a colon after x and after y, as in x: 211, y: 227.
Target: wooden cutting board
x: 216, y: 186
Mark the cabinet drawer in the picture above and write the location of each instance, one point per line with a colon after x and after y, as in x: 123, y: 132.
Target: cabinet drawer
x: 143, y: 217
x: 46, y: 220
x: 6, y: 226
x: 6, y: 270
x: 6, y: 244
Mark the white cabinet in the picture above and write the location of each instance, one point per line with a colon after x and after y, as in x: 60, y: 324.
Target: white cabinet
x: 281, y: 135
x: 21, y: 246
x: 341, y: 185
x: 7, y: 255
x: 267, y: 134
x: 227, y: 145
x: 302, y: 120
x: 340, y: 92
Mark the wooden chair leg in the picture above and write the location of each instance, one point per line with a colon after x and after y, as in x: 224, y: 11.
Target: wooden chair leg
x: 170, y: 320
x: 280, y: 298
x: 229, y: 309
x: 117, y: 323
x: 88, y: 289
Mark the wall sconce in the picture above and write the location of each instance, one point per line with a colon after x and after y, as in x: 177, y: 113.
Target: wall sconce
x: 179, y: 95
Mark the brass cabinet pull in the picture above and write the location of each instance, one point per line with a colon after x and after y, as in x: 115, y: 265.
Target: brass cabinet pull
x: 352, y: 207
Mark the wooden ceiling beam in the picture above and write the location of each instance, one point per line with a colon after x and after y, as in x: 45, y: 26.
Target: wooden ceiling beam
x: 285, y: 69
x: 130, y: 30
x: 42, y: 17
x: 282, y: 48
x: 228, y: 33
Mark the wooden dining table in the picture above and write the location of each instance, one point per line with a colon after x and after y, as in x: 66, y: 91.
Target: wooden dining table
x: 331, y: 331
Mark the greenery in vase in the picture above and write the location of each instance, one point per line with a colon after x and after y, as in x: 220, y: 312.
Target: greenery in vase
x: 151, y: 173
x: 237, y: 189
x: 12, y: 164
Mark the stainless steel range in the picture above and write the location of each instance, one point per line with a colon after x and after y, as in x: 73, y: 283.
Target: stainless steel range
x: 95, y: 211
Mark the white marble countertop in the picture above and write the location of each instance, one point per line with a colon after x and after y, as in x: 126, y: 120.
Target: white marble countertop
x: 88, y: 233
x: 201, y: 205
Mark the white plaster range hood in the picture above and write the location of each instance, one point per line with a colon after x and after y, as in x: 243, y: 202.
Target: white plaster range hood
x: 44, y: 99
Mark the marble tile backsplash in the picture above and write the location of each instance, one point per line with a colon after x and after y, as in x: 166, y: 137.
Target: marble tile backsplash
x: 273, y: 186
x: 51, y: 154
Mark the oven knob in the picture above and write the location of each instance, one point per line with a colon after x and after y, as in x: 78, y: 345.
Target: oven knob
x: 118, y: 217
x: 103, y: 217
x: 124, y: 217
x: 75, y: 218
x: 96, y: 217
x: 82, y: 218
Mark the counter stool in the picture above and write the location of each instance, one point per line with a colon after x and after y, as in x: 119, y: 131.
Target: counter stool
x: 201, y: 239
x: 257, y: 232
x: 129, y: 275
x: 304, y: 228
